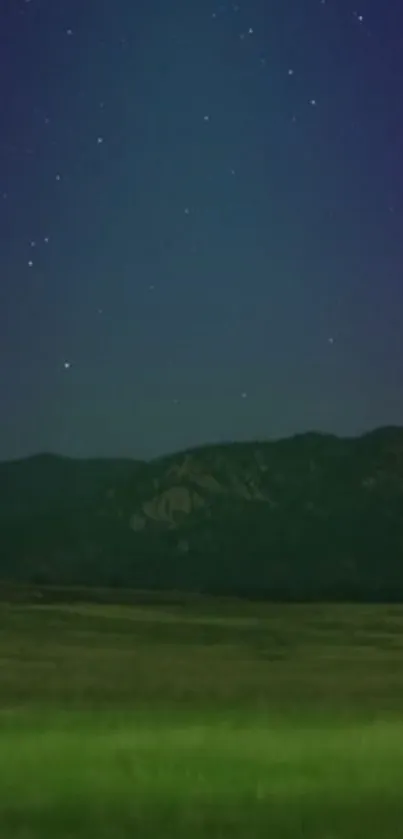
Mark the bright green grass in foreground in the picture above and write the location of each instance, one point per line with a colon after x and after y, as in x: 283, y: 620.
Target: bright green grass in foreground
x: 138, y: 777
x: 234, y: 721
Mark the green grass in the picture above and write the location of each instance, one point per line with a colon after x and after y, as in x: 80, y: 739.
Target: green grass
x: 214, y: 720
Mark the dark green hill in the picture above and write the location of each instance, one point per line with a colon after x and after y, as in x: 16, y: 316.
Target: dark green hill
x: 313, y: 516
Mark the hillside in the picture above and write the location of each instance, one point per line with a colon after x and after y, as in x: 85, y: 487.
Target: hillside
x: 312, y: 516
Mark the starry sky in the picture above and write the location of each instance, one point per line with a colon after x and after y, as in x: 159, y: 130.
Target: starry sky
x: 201, y: 210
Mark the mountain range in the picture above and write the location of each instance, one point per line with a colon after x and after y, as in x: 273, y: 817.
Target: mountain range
x: 310, y: 517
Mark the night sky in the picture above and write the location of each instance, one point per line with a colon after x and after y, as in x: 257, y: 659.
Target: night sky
x: 201, y: 211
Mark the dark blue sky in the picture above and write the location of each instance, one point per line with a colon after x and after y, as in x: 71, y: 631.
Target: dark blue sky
x: 200, y: 222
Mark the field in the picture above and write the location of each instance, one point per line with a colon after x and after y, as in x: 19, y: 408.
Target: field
x: 201, y: 719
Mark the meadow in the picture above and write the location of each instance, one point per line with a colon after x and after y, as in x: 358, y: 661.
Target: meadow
x: 201, y: 718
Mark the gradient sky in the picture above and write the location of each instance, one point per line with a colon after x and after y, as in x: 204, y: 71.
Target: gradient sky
x: 201, y: 211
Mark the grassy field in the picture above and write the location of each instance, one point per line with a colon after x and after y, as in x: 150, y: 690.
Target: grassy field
x: 216, y: 719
